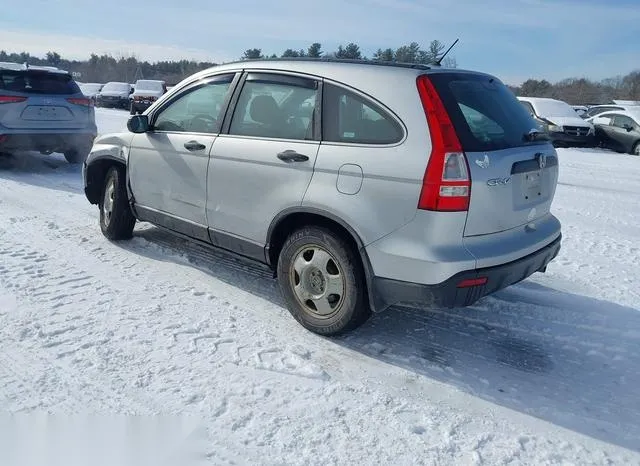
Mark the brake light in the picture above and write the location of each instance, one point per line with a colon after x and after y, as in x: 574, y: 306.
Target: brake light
x: 80, y: 101
x: 11, y: 99
x: 446, y: 186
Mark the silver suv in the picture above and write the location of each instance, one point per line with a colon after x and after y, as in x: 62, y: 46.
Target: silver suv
x: 361, y: 184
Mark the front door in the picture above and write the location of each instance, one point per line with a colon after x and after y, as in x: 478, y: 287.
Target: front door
x: 168, y: 164
x: 265, y: 162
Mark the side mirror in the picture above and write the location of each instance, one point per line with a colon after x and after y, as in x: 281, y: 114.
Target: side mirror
x: 629, y: 128
x: 138, y: 124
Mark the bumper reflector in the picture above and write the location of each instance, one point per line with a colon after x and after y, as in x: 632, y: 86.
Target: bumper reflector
x: 472, y: 282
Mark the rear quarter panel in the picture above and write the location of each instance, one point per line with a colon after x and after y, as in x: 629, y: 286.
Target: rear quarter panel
x: 391, y: 178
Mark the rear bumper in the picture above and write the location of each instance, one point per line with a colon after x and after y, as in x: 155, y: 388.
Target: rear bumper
x: 142, y: 105
x: 51, y: 142
x: 117, y: 102
x: 387, y: 292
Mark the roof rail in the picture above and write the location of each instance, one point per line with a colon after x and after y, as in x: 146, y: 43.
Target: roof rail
x: 419, y: 66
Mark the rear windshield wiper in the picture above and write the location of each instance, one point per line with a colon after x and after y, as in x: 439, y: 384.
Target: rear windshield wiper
x: 535, y: 135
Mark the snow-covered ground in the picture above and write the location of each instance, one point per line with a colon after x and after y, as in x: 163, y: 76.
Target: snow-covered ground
x: 546, y: 372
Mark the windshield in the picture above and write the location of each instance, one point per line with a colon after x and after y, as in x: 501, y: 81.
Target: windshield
x: 116, y: 87
x: 485, y: 113
x: 554, y: 108
x: 148, y: 86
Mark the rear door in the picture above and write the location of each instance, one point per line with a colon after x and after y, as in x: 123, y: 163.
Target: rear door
x: 43, y: 100
x: 264, y: 164
x: 513, y: 172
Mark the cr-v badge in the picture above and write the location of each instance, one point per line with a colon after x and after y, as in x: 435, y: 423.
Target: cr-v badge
x: 498, y: 181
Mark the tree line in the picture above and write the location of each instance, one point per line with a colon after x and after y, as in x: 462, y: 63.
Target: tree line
x: 104, y: 68
x: 582, y: 91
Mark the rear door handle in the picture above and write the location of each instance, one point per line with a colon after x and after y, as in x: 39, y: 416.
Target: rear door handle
x: 292, y: 156
x: 194, y: 146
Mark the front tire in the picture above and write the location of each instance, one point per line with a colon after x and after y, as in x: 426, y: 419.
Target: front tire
x: 322, y: 282
x: 636, y: 149
x: 116, y: 219
x: 132, y: 110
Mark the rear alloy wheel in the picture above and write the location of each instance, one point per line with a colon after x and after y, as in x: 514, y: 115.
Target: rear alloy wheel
x: 322, y: 282
x: 636, y: 149
x: 116, y: 219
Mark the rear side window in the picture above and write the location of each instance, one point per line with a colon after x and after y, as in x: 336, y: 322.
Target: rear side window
x: 485, y: 113
x: 348, y: 117
x: 33, y: 82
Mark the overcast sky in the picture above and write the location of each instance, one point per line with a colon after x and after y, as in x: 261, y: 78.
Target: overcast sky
x: 514, y: 39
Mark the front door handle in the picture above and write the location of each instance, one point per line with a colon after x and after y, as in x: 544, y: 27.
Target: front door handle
x: 194, y: 146
x: 292, y: 156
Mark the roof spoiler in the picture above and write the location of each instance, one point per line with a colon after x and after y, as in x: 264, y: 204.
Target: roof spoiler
x: 26, y: 67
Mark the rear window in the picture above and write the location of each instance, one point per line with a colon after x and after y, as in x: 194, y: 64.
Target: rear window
x: 485, y: 113
x: 34, y: 82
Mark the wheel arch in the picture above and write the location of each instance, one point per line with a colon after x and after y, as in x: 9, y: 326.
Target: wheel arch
x: 95, y: 174
x: 289, y: 220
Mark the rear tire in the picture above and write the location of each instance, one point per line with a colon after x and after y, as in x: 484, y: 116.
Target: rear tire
x: 77, y: 155
x: 322, y: 282
x: 116, y: 219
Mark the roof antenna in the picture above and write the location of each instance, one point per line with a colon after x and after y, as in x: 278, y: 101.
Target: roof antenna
x: 439, y: 60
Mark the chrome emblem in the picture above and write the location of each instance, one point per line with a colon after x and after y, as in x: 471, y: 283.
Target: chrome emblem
x: 484, y: 163
x: 498, y: 181
x: 542, y: 160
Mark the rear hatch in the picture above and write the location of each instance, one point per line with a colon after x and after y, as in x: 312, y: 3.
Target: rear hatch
x: 513, y: 170
x: 35, y: 99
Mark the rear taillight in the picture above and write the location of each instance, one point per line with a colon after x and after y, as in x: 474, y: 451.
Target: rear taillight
x: 11, y: 99
x: 80, y: 101
x: 447, y: 184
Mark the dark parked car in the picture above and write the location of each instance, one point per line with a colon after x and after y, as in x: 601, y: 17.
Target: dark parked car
x: 619, y: 131
x: 115, y: 95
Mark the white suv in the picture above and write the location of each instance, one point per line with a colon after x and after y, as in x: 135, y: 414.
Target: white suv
x: 361, y: 184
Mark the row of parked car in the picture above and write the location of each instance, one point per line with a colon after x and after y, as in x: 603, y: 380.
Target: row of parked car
x: 133, y: 97
x: 613, y: 126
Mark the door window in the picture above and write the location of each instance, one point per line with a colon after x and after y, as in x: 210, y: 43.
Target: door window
x: 622, y: 121
x: 199, y: 110
x: 351, y: 118
x: 273, y: 106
